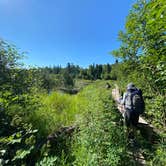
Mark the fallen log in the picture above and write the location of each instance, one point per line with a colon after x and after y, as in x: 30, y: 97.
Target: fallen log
x: 62, y: 132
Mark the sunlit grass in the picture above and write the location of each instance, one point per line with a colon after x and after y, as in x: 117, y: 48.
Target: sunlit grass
x: 59, y: 109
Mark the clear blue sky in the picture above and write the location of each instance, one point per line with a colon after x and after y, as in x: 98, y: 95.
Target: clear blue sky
x: 55, y: 32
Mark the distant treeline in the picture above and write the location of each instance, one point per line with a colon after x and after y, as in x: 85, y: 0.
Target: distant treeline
x: 57, y: 76
x: 93, y: 72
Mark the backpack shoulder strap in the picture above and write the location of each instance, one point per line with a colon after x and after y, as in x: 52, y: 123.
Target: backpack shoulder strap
x: 132, y: 95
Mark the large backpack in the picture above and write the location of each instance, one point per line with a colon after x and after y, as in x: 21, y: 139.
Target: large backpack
x: 136, y: 101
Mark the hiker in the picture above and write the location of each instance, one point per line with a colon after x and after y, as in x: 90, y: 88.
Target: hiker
x: 133, y: 104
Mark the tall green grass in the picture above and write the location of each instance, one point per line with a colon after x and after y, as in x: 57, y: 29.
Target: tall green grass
x: 56, y: 110
x: 100, y: 140
x: 60, y: 109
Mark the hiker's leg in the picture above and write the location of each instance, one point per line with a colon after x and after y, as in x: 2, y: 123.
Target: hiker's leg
x: 134, y: 121
x: 127, y: 122
x: 127, y: 118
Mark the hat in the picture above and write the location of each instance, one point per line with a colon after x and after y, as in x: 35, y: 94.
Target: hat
x: 130, y: 86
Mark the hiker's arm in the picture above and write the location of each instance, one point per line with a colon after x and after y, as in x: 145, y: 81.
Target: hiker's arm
x: 122, y: 100
x: 121, y: 103
x: 119, y: 100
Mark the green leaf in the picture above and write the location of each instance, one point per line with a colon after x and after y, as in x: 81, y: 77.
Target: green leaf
x: 20, y: 154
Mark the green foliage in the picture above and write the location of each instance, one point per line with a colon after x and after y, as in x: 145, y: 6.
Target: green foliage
x: 143, y: 42
x: 17, y: 136
x: 54, y: 77
x: 47, y: 161
x: 15, y: 148
x: 67, y: 80
x: 57, y: 110
x: 28, y: 115
x: 143, y: 51
x: 101, y: 141
x: 160, y: 156
x: 156, y: 110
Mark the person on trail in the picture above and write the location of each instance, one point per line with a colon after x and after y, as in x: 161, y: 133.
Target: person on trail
x: 133, y: 105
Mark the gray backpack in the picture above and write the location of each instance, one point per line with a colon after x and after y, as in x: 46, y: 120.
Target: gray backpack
x: 135, y: 101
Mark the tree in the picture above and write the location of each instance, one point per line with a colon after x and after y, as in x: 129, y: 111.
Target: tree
x: 9, y: 57
x: 67, y: 79
x: 143, y: 42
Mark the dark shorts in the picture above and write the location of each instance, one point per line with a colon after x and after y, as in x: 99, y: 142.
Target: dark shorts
x: 131, y: 118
